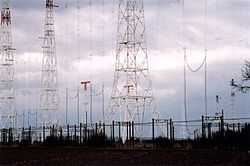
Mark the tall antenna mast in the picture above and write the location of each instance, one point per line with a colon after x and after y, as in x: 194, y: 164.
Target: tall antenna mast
x: 49, y: 98
x: 8, y: 114
x: 205, y: 50
x: 132, y: 90
x: 186, y: 66
x: 184, y: 128
x: 78, y: 61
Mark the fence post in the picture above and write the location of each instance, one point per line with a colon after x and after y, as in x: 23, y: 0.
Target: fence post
x: 104, y: 132
x: 10, y: 135
x: 22, y: 134
x: 130, y: 141
x: 227, y: 127
x: 238, y: 127
x: 110, y: 131
x: 75, y: 134
x: 113, y: 132
x: 96, y: 133
x: 167, y: 130
x: 85, y: 133
x: 61, y: 134
x: 80, y: 139
x: 173, y: 130
x: 4, y: 136
x: 127, y: 134
x: 68, y: 132
x: 30, y: 134
x: 171, y: 127
x: 233, y: 127
x: 202, y: 127
x: 153, y: 133
x: 222, y: 124
x: 209, y: 130
x: 133, y: 138
x: 43, y: 133
x: 119, y: 130
x: 88, y: 135
x: 53, y: 131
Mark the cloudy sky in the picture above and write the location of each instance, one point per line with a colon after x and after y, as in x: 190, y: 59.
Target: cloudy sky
x: 227, y: 40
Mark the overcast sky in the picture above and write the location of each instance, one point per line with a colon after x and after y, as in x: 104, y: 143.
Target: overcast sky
x: 227, y: 43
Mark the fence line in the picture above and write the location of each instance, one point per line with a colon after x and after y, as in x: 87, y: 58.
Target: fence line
x: 120, y: 133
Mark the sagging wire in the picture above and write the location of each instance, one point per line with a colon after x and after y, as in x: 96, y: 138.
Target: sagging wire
x: 186, y: 64
x: 198, y: 68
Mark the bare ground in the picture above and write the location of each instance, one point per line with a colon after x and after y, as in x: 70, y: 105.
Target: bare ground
x: 101, y: 156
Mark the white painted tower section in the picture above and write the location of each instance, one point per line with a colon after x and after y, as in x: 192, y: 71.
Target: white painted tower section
x: 49, y: 99
x: 8, y: 114
x: 131, y: 97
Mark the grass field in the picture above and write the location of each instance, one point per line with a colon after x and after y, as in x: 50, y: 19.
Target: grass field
x: 101, y: 156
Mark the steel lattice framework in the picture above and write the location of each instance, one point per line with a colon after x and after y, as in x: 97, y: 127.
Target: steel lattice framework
x: 49, y: 98
x: 131, y: 96
x: 7, y: 93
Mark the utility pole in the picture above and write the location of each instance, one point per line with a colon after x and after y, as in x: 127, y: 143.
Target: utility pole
x: 66, y: 110
x: 103, y: 110
x: 85, y: 83
x: 91, y: 106
x: 78, y: 60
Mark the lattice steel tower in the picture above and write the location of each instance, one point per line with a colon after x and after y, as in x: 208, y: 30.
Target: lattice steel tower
x: 131, y: 96
x: 49, y: 98
x: 7, y: 93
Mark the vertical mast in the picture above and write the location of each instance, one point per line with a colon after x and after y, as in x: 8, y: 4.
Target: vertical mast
x: 49, y: 98
x: 132, y: 91
x: 8, y: 112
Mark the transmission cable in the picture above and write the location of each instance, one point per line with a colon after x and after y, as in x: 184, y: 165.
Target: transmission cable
x: 195, y: 70
x: 189, y: 67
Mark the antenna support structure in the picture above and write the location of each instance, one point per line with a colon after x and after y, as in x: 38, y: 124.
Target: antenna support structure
x: 233, y: 111
x: 131, y: 95
x: 49, y: 98
x: 8, y: 114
